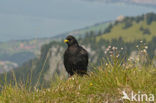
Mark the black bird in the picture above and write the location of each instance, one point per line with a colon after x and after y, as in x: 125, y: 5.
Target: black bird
x: 75, y: 57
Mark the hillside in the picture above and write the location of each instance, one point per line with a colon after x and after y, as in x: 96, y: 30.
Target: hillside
x: 50, y: 62
x: 105, y: 85
x: 82, y: 32
x: 131, y: 29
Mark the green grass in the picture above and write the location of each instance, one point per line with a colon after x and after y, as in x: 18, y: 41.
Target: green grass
x: 130, y: 34
x: 104, y: 84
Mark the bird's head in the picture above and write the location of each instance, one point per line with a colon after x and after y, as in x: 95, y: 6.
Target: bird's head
x: 70, y: 40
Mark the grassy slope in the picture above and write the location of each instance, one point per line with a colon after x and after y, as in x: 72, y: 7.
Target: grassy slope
x: 132, y: 33
x: 102, y: 85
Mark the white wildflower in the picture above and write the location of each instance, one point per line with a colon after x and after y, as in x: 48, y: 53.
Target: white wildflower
x: 146, y: 47
x: 117, y: 55
x: 106, y: 64
x: 114, y: 48
x: 144, y: 51
x: 109, y: 47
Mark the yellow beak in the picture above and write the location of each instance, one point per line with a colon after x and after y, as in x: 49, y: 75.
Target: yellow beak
x: 65, y: 41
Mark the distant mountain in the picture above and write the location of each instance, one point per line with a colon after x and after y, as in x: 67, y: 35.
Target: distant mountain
x: 148, y: 2
x: 100, y: 46
x: 81, y: 32
x: 153, y: 2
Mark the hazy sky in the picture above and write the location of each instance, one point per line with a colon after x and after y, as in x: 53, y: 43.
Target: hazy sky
x: 24, y: 19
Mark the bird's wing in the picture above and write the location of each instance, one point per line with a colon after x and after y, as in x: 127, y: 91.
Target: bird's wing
x: 83, y: 57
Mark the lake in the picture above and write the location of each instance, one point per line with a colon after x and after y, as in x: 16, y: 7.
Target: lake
x: 37, y: 18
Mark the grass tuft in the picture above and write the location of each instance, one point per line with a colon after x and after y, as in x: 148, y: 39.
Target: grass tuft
x: 102, y: 85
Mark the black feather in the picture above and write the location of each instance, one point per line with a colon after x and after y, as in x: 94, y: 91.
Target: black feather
x: 75, y: 57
